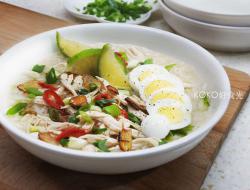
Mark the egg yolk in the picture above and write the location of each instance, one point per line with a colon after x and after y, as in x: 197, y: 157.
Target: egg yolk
x: 156, y: 85
x: 166, y: 95
x: 145, y: 75
x: 173, y: 114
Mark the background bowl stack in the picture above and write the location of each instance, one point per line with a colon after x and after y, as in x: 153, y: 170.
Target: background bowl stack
x: 222, y: 25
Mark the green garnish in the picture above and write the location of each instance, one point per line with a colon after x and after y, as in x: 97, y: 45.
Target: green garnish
x: 38, y: 68
x: 102, y: 145
x: 85, y: 107
x: 206, y: 100
x: 134, y: 118
x: 104, y: 102
x: 184, y: 131
x: 73, y: 119
x: 85, y: 117
x: 97, y: 130
x: 16, y: 108
x: 82, y: 91
x: 112, y: 110
x: 33, y: 129
x: 167, y: 139
x: 54, y: 114
x: 34, y: 92
x: 51, y: 77
x: 124, y: 56
x: 169, y: 67
x: 147, y: 61
x: 117, y: 10
x: 92, y: 87
x: 64, y: 142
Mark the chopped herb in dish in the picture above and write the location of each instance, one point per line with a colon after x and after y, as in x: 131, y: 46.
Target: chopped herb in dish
x: 117, y: 10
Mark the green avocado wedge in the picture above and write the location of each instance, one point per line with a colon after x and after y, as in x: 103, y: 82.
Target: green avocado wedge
x: 113, y: 70
x: 67, y: 47
x: 84, y: 62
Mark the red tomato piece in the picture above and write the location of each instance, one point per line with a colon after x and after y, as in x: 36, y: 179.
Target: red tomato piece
x: 124, y: 113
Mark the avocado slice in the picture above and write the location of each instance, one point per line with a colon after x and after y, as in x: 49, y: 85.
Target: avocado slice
x: 67, y: 47
x: 84, y: 62
x: 112, y: 69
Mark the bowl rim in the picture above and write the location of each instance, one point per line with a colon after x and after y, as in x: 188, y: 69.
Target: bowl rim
x: 8, y: 125
x: 210, y: 25
x: 202, y: 12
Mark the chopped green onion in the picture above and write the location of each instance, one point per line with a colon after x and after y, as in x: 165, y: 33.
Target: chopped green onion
x: 104, y: 102
x: 113, y: 110
x: 169, y: 67
x: 54, y: 114
x: 97, y: 130
x: 82, y: 91
x: 184, y: 131
x: 34, y: 92
x: 85, y: 117
x: 33, y: 129
x: 206, y: 100
x: 147, y: 61
x: 92, y: 87
x: 64, y: 142
x: 134, y: 118
x: 102, y: 145
x: 38, y: 68
x: 16, y: 108
x: 73, y: 119
x: 85, y: 107
x: 51, y: 77
x: 167, y: 139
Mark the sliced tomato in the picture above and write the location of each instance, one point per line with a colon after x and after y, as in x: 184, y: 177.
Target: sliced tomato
x: 53, y: 99
x: 47, y: 86
x: 71, y: 132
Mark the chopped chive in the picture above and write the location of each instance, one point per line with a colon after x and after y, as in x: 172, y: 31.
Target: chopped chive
x: 16, y: 108
x: 51, y: 77
x: 34, y: 92
x: 169, y: 67
x: 38, y: 68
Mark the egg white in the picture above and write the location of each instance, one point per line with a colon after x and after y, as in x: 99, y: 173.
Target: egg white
x: 136, y: 75
x: 156, y: 126
x: 179, y: 110
x: 175, y: 84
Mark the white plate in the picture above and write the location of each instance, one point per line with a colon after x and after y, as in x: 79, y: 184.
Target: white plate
x: 72, y: 6
x: 218, y: 37
x: 222, y: 12
x: 24, y: 55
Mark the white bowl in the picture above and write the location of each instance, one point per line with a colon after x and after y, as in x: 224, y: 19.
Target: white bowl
x: 29, y: 52
x: 218, y: 37
x: 72, y: 5
x: 223, y: 12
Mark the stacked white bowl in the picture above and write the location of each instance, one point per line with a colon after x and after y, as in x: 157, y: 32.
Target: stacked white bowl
x: 222, y: 25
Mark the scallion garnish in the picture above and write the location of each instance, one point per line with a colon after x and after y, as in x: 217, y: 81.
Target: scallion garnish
x: 16, y: 108
x: 38, y: 68
x: 51, y: 77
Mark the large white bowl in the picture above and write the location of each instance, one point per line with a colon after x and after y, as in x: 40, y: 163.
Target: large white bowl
x: 218, y: 37
x: 221, y: 12
x: 29, y: 52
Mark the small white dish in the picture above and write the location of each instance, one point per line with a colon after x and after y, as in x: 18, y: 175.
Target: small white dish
x: 218, y: 37
x: 221, y: 12
x: 75, y: 7
x: 22, y: 56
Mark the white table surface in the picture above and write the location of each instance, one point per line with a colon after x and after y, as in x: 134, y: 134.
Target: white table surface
x: 231, y: 169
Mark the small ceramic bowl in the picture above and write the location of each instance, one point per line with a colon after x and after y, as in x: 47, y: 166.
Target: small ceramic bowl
x: 223, y: 12
x: 74, y: 7
x: 24, y: 55
x: 217, y: 37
